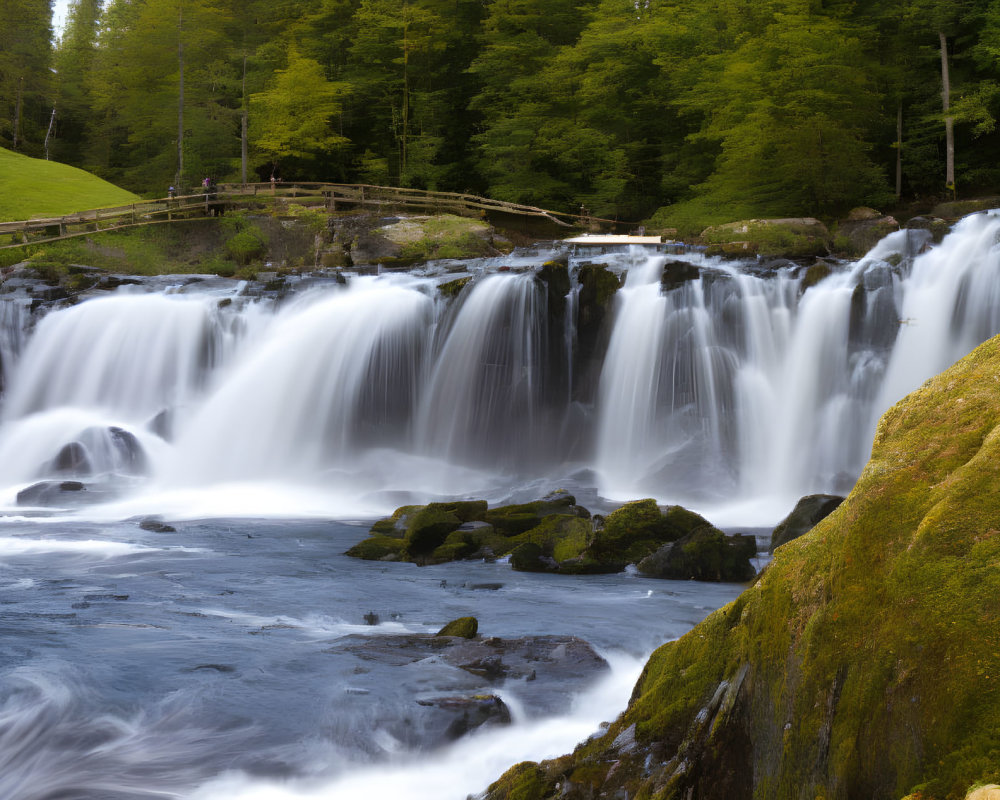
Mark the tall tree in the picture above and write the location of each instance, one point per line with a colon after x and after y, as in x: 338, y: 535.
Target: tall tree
x: 74, y: 59
x: 25, y: 76
x: 291, y: 119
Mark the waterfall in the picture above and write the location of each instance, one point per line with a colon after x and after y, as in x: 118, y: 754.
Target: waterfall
x: 715, y: 382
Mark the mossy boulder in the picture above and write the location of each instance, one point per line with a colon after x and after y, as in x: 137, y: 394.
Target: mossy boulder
x: 799, y: 237
x: 379, y: 548
x: 528, y: 557
x: 638, y: 529
x: 956, y: 209
x: 470, y: 540
x: 704, y: 555
x: 814, y: 274
x: 863, y: 662
x: 862, y: 230
x: 516, y: 519
x: 422, y: 529
x: 452, y: 289
x: 808, y: 511
x: 677, y: 273
x: 560, y: 536
x: 936, y: 226
x: 465, y: 627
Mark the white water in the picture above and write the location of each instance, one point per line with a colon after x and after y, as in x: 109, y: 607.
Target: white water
x: 735, y: 392
x: 465, y: 768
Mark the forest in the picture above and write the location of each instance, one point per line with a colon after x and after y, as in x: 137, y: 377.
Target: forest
x: 666, y: 109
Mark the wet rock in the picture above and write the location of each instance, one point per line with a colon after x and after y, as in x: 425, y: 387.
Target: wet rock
x: 793, y: 238
x: 469, y: 713
x: 465, y: 627
x: 72, y: 459
x: 703, y: 555
x: 155, y: 525
x: 862, y: 230
x: 677, y: 273
x: 638, y: 529
x: 452, y: 289
x: 46, y: 493
x: 528, y: 557
x: 937, y: 227
x: 808, y: 511
x: 516, y: 519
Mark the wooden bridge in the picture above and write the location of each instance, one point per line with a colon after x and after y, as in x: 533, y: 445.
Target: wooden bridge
x: 332, y: 196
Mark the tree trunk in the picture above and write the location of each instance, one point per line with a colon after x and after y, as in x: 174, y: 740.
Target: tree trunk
x: 17, y: 111
x: 243, y: 127
x: 949, y: 121
x: 48, y: 133
x: 899, y: 151
x: 180, y: 100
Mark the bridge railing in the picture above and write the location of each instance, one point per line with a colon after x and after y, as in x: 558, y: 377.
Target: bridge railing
x: 333, y: 196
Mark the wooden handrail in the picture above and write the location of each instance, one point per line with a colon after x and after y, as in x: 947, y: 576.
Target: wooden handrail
x: 147, y: 212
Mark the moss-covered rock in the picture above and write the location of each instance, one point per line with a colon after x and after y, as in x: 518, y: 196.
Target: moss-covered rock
x: 815, y: 273
x: 959, y: 208
x: 862, y: 230
x: 465, y: 627
x: 808, y: 511
x: 785, y: 238
x: 863, y: 662
x: 640, y: 528
x: 528, y: 557
x: 704, y: 555
x: 516, y: 519
x: 452, y: 289
x: 379, y: 548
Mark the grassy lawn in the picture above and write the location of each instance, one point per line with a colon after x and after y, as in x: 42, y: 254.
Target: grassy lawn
x: 31, y: 187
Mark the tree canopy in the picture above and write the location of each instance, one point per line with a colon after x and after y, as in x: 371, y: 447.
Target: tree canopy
x: 716, y: 108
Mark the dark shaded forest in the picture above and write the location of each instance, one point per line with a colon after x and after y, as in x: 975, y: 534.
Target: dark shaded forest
x: 678, y: 109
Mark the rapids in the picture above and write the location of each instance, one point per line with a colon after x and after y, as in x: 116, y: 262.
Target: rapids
x: 734, y: 391
x: 203, y: 663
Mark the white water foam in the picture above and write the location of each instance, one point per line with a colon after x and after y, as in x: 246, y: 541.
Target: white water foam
x: 463, y: 769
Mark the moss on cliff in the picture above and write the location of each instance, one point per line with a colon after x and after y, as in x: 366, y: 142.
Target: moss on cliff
x: 864, y: 662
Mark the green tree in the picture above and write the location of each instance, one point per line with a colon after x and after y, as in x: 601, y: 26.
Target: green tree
x: 291, y: 119
x: 788, y: 110
x: 74, y: 59
x: 25, y: 77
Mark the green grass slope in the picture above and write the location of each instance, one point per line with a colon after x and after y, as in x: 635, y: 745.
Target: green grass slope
x: 32, y: 187
x: 865, y: 660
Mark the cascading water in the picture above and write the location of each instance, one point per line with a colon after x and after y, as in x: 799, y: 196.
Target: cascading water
x: 721, y: 382
x: 208, y: 662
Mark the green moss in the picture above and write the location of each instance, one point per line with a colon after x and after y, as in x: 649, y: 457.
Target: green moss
x: 452, y: 289
x: 787, y: 238
x: 516, y: 519
x: 465, y: 627
x: 524, y: 781
x: 865, y: 660
x: 376, y: 548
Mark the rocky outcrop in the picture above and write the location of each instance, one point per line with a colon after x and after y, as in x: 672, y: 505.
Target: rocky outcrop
x: 808, y: 511
x: 864, y: 661
x: 450, y: 681
x: 703, y: 556
x: 862, y: 230
x: 793, y: 238
x: 554, y: 534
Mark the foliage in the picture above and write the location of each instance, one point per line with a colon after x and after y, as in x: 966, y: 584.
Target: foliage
x: 708, y: 111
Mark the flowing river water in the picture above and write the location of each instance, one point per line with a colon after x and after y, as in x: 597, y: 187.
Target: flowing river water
x: 265, y: 426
